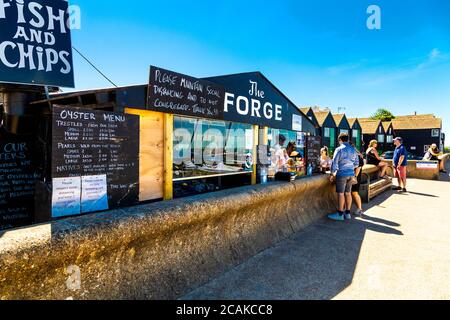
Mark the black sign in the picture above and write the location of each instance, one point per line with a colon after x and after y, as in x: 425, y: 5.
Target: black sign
x: 251, y: 98
x: 17, y: 182
x: 35, y: 43
x: 313, y: 147
x: 94, y: 143
x: 176, y: 93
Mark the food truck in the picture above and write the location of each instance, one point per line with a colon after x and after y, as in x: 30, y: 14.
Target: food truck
x: 174, y: 137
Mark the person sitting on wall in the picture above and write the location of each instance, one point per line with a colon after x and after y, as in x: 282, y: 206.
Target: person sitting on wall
x: 325, y: 160
x: 374, y: 158
x: 434, y: 154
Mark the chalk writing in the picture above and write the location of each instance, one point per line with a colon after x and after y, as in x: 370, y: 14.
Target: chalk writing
x: 98, y: 143
x: 180, y: 94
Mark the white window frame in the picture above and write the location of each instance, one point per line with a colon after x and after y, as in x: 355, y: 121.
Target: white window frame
x: 382, y: 138
x: 435, y: 133
x: 389, y: 139
x: 326, y: 132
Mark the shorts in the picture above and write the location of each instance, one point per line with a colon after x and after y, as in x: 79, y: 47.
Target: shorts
x: 344, y: 184
x: 356, y: 187
x: 400, y: 172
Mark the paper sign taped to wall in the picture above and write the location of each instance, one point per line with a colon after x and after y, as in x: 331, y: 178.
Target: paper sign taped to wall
x: 66, y: 197
x: 94, y: 193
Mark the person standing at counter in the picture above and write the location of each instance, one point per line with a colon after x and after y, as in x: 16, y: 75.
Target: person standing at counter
x: 279, y: 155
x: 343, y: 169
x: 325, y: 160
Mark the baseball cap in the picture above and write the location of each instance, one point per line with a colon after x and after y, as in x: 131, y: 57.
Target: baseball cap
x: 398, y: 139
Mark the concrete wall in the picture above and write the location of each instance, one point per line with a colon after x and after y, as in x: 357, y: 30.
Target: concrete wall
x: 416, y: 173
x: 160, y: 250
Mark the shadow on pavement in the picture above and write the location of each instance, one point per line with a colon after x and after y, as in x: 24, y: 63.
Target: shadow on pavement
x: 317, y: 263
x: 378, y: 220
x: 421, y: 194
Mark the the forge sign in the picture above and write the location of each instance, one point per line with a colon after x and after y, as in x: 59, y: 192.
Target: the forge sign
x: 35, y: 43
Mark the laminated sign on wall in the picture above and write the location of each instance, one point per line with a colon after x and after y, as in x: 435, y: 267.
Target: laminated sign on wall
x: 94, y: 193
x: 66, y: 197
x: 35, y: 43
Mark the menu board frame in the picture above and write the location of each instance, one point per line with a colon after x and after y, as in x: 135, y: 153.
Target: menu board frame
x: 92, y: 143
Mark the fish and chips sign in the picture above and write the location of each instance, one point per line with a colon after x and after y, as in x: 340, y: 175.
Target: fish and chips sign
x: 35, y: 43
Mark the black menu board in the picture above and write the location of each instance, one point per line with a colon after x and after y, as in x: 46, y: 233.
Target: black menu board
x: 313, y: 146
x: 172, y: 92
x: 88, y: 145
x: 18, y: 176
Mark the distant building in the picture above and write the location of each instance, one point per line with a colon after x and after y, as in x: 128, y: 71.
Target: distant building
x: 356, y: 132
x: 419, y: 132
x: 327, y: 127
x: 390, y: 133
x: 308, y: 112
x: 373, y: 130
x: 343, y: 126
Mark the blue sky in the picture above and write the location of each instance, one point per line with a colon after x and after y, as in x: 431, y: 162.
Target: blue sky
x: 317, y: 52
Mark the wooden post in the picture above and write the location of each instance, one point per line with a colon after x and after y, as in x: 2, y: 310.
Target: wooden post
x: 265, y: 136
x: 255, y: 152
x: 168, y: 156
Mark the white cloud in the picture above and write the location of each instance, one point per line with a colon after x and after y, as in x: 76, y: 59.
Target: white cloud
x: 434, y: 53
x: 413, y: 68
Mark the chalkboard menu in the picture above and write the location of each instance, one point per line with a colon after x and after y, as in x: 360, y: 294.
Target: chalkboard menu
x: 313, y: 146
x: 95, y: 160
x: 18, y: 176
x: 172, y: 92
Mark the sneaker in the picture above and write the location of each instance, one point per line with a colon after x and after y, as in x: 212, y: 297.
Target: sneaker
x: 336, y: 217
x: 348, y: 216
x: 396, y: 188
x: 359, y: 213
x: 404, y: 190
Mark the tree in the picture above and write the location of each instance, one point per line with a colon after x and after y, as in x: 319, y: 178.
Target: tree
x: 383, y: 115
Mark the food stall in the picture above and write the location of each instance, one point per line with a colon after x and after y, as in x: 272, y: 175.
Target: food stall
x: 177, y: 136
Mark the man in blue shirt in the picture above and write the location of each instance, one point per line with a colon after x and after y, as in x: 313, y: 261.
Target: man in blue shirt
x: 400, y: 162
x: 345, y: 162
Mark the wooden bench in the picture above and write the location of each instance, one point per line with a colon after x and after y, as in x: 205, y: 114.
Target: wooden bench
x: 371, y: 185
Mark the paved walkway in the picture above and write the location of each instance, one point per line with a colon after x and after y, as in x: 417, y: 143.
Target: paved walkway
x: 399, y: 250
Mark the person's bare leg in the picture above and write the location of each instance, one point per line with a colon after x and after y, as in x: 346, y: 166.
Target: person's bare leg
x: 348, y: 201
x: 341, y: 202
x: 404, y: 183
x: 383, y: 169
x: 357, y: 200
